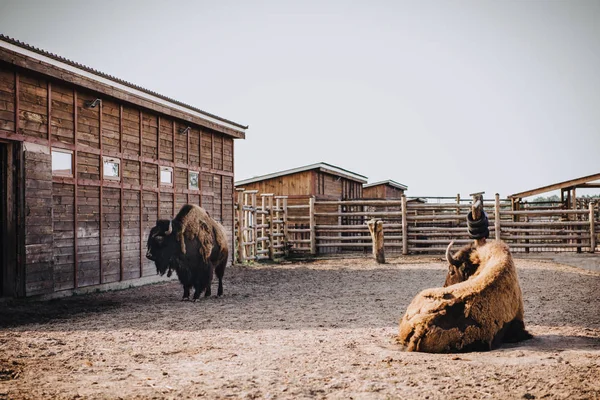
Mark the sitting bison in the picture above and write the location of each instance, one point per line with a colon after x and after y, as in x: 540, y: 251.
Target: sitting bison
x: 479, y: 308
x: 194, y: 245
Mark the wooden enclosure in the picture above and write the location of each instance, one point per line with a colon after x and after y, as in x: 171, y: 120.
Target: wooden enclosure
x: 88, y: 164
x: 423, y: 227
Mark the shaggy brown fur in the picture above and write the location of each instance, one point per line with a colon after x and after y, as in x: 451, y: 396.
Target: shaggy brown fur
x: 476, y: 314
x: 194, y: 245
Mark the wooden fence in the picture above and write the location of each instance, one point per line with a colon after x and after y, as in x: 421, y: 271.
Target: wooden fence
x: 303, y: 225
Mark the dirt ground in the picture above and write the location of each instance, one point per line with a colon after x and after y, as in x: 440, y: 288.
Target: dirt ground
x: 322, y: 329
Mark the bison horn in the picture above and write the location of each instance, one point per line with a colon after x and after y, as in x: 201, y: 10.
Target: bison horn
x: 449, y: 257
x: 168, y: 232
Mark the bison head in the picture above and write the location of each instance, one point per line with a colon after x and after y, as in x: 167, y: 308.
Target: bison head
x: 462, y: 265
x: 162, y: 245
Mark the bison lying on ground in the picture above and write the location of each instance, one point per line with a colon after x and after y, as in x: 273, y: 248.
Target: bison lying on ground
x: 194, y: 245
x: 480, y: 307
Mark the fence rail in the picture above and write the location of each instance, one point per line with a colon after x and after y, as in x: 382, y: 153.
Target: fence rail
x: 270, y: 227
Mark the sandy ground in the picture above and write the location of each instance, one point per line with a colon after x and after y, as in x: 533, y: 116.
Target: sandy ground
x: 322, y: 329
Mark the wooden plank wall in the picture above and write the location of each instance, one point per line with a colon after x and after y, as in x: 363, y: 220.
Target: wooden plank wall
x: 87, y: 230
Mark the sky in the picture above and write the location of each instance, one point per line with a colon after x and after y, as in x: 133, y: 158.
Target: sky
x: 446, y: 97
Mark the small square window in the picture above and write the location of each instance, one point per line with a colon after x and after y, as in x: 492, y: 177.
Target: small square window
x: 166, y: 176
x: 62, y: 162
x: 111, y: 168
x: 193, y: 180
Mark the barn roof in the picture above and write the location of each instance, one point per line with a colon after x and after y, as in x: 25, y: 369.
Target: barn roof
x: 324, y: 167
x: 583, y: 182
x: 30, y: 51
x: 388, y: 182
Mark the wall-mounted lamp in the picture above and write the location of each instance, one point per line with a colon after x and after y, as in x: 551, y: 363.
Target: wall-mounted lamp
x: 183, y: 131
x: 93, y: 103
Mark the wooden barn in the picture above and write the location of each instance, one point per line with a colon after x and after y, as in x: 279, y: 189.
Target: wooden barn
x: 389, y: 190
x: 88, y: 163
x: 322, y: 180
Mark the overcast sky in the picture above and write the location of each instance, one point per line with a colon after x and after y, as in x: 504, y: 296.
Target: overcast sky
x: 446, y: 97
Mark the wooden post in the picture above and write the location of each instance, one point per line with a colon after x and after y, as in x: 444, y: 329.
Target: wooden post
x: 376, y: 228
x: 497, y: 216
x: 404, y: 227
x: 592, y: 229
x: 254, y: 223
x: 313, y: 238
x: 272, y: 229
x: 240, y: 226
x: 285, y: 227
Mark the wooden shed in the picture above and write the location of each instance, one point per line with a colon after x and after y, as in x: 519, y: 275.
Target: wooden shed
x: 322, y: 180
x: 389, y: 189
x: 88, y: 163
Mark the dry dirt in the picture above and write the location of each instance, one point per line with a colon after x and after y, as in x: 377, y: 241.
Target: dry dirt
x: 322, y: 329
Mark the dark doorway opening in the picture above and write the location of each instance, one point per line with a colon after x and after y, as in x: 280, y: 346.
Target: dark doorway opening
x: 9, y: 175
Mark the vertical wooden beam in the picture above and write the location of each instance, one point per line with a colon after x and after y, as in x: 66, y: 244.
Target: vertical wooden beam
x: 121, y: 217
x: 49, y: 111
x: 592, y: 228
x: 101, y: 191
x: 187, y: 154
x: 254, y: 223
x: 141, y: 199
x: 158, y: 168
x: 285, y: 226
x: 200, y: 167
x: 497, y: 216
x: 212, y: 150
x: 240, y: 226
x: 174, y: 173
x: 272, y: 229
x: 312, y: 225
x: 17, y: 104
x: 75, y: 219
x: 404, y: 226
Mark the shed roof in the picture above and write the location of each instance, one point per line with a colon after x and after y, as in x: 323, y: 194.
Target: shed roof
x: 30, y: 51
x: 322, y: 166
x: 388, y: 182
x: 583, y: 182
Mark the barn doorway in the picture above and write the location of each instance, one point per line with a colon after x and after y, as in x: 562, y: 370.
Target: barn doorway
x: 9, y: 173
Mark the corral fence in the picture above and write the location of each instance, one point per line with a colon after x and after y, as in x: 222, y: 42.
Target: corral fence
x: 270, y: 227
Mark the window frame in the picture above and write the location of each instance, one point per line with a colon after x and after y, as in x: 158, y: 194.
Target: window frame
x: 160, y: 171
x: 197, y: 188
x: 62, y: 151
x: 108, y: 159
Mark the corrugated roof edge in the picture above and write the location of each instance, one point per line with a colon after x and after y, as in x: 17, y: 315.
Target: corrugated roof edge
x: 113, y: 78
x: 324, y: 165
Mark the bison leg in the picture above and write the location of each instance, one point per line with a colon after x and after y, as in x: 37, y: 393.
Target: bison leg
x: 209, y: 281
x: 220, y: 271
x: 197, y: 291
x: 186, y: 292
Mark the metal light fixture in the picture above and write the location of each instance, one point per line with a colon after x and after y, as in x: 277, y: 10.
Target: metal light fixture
x: 183, y: 131
x: 93, y: 103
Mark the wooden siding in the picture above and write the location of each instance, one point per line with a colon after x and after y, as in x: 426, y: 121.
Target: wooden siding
x: 84, y: 230
x: 382, y: 192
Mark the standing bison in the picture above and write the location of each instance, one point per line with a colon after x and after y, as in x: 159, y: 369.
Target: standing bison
x: 194, y: 245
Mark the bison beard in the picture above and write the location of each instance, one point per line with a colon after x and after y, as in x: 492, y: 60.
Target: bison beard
x: 479, y: 308
x: 194, y: 246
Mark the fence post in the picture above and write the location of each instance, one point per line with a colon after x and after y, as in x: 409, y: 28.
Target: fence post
x: 254, y: 229
x: 285, y: 227
x: 271, y: 229
x: 592, y: 229
x: 497, y: 216
x: 312, y: 223
x: 404, y: 227
x: 240, y: 226
x: 376, y: 229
